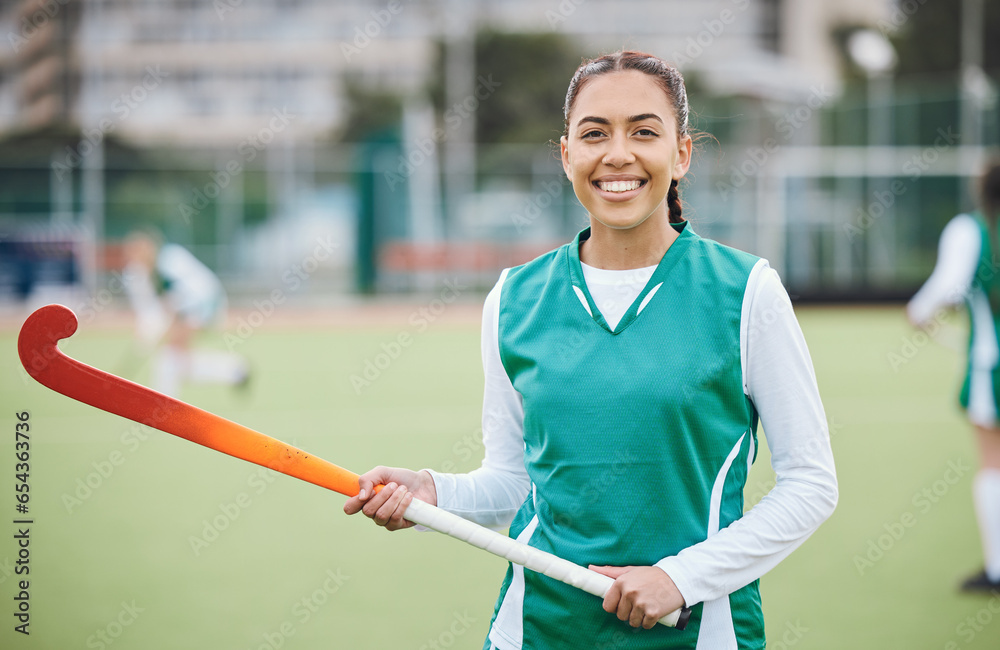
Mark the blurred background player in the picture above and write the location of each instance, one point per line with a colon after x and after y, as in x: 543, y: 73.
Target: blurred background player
x: 175, y: 296
x: 966, y: 271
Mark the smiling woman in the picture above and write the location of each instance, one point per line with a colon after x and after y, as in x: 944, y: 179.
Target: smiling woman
x: 625, y: 149
x: 626, y: 373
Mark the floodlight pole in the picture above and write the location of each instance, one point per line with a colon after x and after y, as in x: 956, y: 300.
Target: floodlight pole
x: 459, y: 83
x: 971, y: 124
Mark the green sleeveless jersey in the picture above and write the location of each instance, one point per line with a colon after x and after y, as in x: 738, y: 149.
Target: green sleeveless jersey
x: 627, y: 433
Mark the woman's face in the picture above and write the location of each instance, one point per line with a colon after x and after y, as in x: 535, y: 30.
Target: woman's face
x: 622, y: 149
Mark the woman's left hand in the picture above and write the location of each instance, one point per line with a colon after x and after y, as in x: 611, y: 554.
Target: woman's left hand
x: 640, y: 595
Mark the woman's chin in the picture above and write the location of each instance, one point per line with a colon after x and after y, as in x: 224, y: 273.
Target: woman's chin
x: 619, y: 222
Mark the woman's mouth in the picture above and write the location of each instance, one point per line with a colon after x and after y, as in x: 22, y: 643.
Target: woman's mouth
x: 619, y: 189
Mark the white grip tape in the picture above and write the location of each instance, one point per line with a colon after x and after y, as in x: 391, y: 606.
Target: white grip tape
x: 423, y: 513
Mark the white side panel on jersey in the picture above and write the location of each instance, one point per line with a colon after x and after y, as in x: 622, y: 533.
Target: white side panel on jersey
x: 984, y: 346
x: 507, y: 632
x: 716, y: 631
x: 984, y: 355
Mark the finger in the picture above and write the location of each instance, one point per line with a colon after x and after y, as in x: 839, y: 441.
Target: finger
x: 353, y: 506
x: 376, y: 476
x: 649, y: 621
x: 366, y: 483
x: 396, y: 521
x: 636, y: 617
x: 367, y: 488
x: 612, y: 599
x: 377, y: 500
x: 388, y: 509
x: 624, y: 610
x: 610, y: 571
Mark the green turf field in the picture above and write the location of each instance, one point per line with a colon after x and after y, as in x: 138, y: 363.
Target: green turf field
x: 152, y: 542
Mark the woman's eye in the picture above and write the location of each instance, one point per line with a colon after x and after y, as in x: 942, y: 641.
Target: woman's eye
x: 646, y: 132
x: 592, y: 134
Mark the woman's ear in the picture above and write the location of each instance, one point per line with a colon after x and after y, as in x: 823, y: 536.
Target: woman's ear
x: 684, y: 149
x: 564, y: 150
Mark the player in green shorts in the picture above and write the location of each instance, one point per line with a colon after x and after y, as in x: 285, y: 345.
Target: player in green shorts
x: 625, y: 376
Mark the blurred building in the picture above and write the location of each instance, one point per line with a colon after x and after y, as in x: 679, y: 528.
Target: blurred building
x: 221, y: 121
x: 189, y: 72
x: 205, y: 73
x: 39, y: 73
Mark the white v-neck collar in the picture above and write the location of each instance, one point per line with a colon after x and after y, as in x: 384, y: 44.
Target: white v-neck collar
x: 614, y: 290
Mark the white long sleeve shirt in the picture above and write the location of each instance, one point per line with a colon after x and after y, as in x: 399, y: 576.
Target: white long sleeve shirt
x: 951, y: 280
x: 951, y: 283
x: 778, y: 377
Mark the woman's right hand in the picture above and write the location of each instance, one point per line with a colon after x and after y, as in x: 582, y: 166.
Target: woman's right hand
x: 387, y: 506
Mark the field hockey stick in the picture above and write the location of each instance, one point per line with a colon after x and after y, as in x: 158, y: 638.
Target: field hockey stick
x: 36, y: 347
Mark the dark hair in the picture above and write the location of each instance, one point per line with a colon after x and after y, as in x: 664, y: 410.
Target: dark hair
x: 669, y: 78
x: 989, y: 203
x: 989, y: 190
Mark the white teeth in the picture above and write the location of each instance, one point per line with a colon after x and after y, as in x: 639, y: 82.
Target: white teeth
x: 619, y: 186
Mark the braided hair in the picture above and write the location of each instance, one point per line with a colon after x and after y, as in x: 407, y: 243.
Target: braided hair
x: 667, y: 76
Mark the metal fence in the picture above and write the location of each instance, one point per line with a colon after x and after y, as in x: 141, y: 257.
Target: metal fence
x: 844, y: 196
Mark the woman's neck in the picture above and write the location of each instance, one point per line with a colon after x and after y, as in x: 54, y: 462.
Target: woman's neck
x: 631, y: 248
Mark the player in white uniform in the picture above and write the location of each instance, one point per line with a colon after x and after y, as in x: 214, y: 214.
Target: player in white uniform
x: 967, y: 271
x: 174, y: 296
